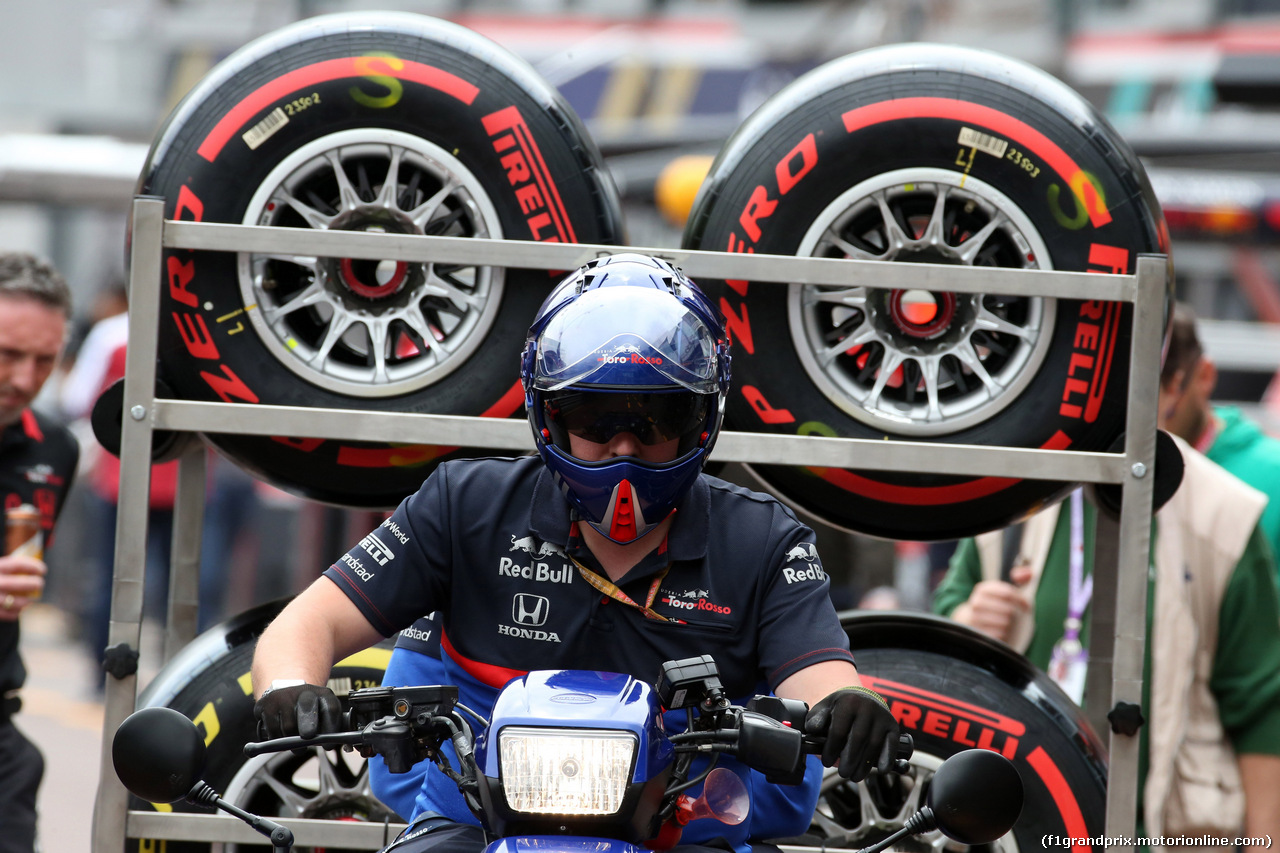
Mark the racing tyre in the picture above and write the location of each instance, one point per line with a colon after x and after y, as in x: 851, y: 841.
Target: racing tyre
x: 208, y: 681
x: 978, y: 693
x: 384, y: 122
x: 933, y: 154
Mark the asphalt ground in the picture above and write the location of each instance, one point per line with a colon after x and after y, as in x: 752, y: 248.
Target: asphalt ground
x: 62, y: 715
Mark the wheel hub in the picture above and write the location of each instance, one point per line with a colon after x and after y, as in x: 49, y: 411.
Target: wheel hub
x: 920, y: 313
x: 373, y: 280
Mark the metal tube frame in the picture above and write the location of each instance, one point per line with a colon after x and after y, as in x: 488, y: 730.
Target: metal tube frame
x: 145, y: 413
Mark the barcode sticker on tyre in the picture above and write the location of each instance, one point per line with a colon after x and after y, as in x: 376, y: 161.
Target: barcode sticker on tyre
x: 263, y: 130
x: 993, y: 145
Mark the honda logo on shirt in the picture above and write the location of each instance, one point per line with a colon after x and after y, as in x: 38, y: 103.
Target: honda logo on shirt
x: 530, y: 610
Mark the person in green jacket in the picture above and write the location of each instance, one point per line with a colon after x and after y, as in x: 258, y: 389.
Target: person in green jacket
x: 1223, y: 433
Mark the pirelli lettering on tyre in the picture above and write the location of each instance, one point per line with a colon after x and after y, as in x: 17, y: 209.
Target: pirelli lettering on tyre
x: 1090, y: 364
x: 192, y: 329
x: 530, y: 180
x: 941, y: 716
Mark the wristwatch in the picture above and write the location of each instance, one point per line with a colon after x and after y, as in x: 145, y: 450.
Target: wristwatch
x: 283, y: 682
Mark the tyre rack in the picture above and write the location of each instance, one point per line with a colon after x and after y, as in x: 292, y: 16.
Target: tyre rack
x: 1116, y: 655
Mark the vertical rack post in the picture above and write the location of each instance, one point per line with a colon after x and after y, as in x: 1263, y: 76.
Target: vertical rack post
x: 128, y: 578
x: 1130, y: 581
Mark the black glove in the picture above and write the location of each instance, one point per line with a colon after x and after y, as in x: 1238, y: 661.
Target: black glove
x: 305, y: 710
x: 860, y: 731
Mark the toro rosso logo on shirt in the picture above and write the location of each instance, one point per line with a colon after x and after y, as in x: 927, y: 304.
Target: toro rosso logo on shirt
x: 530, y: 613
x: 809, y: 569
x: 695, y: 599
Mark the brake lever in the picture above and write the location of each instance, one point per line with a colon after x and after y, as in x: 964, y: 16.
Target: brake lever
x: 282, y: 744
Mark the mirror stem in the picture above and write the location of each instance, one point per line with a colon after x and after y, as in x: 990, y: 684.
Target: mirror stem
x: 281, y: 837
x: 920, y: 822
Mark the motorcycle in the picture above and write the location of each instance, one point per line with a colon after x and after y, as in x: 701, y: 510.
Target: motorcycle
x: 572, y: 757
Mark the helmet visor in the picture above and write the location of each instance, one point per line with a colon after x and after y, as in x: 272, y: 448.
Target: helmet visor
x: 653, y: 418
x: 623, y: 338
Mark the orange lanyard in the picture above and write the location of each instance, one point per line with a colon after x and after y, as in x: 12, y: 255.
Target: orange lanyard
x: 611, y: 589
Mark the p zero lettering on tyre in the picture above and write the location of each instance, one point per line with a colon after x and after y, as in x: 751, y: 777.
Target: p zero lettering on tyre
x: 383, y: 122
x: 978, y: 694
x: 941, y: 155
x: 209, y: 682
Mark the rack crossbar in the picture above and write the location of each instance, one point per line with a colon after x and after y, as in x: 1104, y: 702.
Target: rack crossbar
x: 302, y: 242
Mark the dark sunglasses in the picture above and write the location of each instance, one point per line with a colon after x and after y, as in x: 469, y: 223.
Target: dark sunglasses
x: 652, y: 417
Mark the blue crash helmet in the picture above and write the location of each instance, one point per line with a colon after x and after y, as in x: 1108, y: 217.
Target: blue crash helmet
x: 627, y: 343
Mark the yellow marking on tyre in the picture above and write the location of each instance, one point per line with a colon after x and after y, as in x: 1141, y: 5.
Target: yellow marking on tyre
x: 968, y: 164
x: 373, y: 68
x: 246, y: 683
x: 208, y: 717
x: 225, y: 317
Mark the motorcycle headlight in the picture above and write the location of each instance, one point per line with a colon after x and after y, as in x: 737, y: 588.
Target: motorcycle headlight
x: 565, y: 771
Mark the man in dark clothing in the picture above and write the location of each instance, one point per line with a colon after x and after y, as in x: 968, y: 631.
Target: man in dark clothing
x: 611, y: 550
x: 37, y: 461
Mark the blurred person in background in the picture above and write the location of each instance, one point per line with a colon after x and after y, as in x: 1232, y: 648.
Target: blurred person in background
x: 100, y: 361
x: 230, y: 501
x: 37, y: 464
x: 1209, y: 755
x: 1222, y: 433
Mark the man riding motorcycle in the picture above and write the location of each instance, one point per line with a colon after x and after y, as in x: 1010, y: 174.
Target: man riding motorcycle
x: 611, y: 550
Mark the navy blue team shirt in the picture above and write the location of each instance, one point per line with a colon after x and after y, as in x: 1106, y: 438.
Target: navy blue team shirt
x: 484, y: 543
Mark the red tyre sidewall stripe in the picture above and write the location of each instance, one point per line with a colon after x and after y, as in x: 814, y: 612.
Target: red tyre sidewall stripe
x: 1068, y: 808
x: 420, y: 454
x: 1110, y: 327
x: 929, y: 495
x: 1006, y: 125
x: 323, y: 72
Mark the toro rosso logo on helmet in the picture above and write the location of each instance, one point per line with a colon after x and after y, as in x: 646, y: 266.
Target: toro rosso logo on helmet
x: 626, y: 355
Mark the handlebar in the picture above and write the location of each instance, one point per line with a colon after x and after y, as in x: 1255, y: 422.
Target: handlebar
x: 406, y: 725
